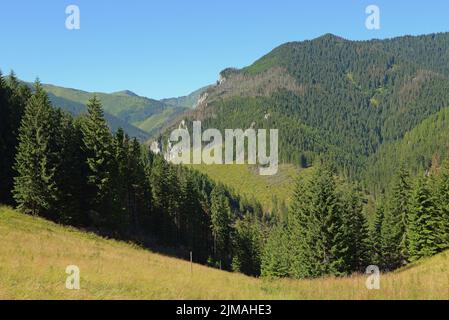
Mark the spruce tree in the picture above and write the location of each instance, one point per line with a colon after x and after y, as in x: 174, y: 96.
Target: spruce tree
x: 247, y: 246
x: 5, y: 163
x: 320, y: 241
x: 376, y: 236
x: 276, y: 256
x: 356, y: 231
x: 72, y: 206
x: 97, y: 144
x: 421, y: 235
x: 137, y: 186
x: 13, y: 98
x: 442, y: 206
x: 35, y: 187
x: 221, y: 225
x: 394, y: 235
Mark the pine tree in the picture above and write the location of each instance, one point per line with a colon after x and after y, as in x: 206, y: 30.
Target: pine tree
x: 394, y: 235
x: 137, y: 184
x: 376, y: 236
x: 72, y: 206
x: 277, y: 254
x: 221, y: 225
x: 161, y: 224
x: 319, y: 233
x: 34, y: 186
x: 191, y: 217
x: 121, y: 175
x: 97, y: 143
x: 13, y: 98
x: 421, y: 235
x: 5, y: 163
x: 356, y: 231
x: 442, y: 203
x: 247, y: 245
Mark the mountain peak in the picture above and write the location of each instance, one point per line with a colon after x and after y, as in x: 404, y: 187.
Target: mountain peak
x: 330, y: 37
x: 126, y: 93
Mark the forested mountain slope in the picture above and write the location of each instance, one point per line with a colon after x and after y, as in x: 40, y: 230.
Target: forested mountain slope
x: 423, y: 148
x: 333, y: 98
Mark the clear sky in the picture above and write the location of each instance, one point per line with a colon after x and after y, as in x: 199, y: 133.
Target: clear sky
x: 165, y: 48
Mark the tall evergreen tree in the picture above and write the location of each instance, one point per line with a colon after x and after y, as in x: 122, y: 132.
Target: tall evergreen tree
x: 276, y: 256
x: 356, y: 231
x: 376, y: 236
x: 422, y: 222
x: 442, y: 206
x: 72, y: 206
x: 221, y: 225
x: 247, y: 246
x: 35, y: 187
x: 97, y: 143
x: 394, y: 235
x: 13, y: 98
x: 321, y: 242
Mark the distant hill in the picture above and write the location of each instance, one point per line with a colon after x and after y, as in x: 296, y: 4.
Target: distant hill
x: 35, y: 253
x: 188, y: 101
x: 114, y: 122
x: 124, y: 105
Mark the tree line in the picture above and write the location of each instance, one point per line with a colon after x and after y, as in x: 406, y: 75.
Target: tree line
x: 76, y: 171
x: 327, y: 233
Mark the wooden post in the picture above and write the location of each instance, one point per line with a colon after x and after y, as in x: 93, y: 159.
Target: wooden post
x: 191, y: 262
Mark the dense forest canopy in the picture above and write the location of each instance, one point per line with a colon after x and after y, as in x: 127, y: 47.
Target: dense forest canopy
x: 336, y: 99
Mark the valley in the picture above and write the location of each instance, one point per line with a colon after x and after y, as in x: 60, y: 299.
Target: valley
x: 363, y: 179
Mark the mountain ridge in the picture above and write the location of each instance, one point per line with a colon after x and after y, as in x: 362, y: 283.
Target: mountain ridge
x: 332, y: 97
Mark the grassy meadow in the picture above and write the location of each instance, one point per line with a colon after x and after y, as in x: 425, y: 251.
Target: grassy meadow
x: 34, y: 254
x: 245, y: 180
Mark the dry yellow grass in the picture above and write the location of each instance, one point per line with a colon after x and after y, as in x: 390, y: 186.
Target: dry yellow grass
x: 34, y: 254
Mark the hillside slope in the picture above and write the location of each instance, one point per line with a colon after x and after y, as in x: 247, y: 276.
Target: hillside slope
x: 333, y: 98
x: 422, y: 148
x: 35, y: 253
x: 77, y: 108
x: 124, y: 105
x: 246, y: 181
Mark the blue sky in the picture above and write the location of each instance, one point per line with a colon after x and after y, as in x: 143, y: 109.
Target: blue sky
x: 171, y: 47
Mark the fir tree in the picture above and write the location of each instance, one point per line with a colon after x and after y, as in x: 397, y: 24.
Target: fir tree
x: 421, y: 231
x: 34, y: 187
x: 97, y: 143
x: 276, y: 254
x: 13, y: 98
x: 247, y: 244
x: 321, y: 242
x: 376, y: 236
x: 442, y: 206
x: 394, y: 236
x: 356, y: 231
x: 221, y: 225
